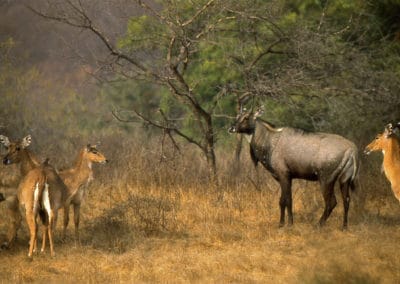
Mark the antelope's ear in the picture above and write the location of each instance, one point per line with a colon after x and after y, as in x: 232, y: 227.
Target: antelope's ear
x: 388, y: 130
x: 26, y: 141
x: 259, y: 112
x: 5, y: 141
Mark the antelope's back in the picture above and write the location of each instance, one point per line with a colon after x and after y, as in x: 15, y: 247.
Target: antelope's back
x: 57, y: 188
x: 307, y: 152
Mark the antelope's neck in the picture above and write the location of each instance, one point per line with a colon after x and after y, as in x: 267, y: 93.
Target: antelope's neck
x: 28, y: 162
x: 248, y: 137
x: 83, y: 172
x: 391, y: 160
x: 265, y: 135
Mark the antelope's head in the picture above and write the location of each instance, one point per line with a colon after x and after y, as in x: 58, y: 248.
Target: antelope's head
x: 15, y: 150
x: 381, y: 140
x: 93, y: 155
x: 245, y: 121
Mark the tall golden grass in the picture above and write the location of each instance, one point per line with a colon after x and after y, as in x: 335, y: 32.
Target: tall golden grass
x: 152, y: 217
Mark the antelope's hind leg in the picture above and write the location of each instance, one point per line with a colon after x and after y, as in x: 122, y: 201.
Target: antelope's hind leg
x: 344, y: 188
x: 31, y: 221
x: 330, y: 201
x: 50, y: 228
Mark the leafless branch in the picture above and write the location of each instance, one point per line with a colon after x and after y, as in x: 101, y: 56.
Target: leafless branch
x: 88, y: 25
x: 267, y: 51
x: 155, y: 13
x: 158, y: 125
x: 116, y: 115
x: 198, y: 13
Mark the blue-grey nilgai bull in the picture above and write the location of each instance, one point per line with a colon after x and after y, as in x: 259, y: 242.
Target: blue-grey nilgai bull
x: 290, y: 153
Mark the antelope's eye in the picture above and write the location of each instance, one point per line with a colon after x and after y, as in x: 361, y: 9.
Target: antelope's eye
x: 18, y: 148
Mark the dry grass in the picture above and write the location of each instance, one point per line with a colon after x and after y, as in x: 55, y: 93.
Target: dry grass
x: 156, y: 223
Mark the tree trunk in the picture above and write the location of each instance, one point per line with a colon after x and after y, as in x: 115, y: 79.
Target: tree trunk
x: 238, y: 152
x: 212, y: 165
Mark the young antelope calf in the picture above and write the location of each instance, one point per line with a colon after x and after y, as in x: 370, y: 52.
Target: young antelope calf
x: 389, y: 144
x: 76, y: 179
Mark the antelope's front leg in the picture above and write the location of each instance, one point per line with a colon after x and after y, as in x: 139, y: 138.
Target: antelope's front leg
x: 66, y: 220
x: 286, y: 200
x: 77, y: 208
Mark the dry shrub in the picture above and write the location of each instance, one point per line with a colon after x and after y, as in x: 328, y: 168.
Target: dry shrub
x: 152, y: 214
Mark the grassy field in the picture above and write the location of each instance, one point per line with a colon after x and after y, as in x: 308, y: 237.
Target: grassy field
x: 140, y: 229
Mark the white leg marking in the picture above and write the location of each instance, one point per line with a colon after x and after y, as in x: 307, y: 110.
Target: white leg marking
x: 46, y: 200
x: 36, y: 198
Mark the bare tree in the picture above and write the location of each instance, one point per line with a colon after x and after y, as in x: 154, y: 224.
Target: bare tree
x: 182, y: 30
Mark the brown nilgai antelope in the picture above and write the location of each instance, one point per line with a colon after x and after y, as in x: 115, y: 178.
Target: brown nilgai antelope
x: 76, y: 179
x: 41, y: 192
x: 290, y: 153
x: 388, y: 142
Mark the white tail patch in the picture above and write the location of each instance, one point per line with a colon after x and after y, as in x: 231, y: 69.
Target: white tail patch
x: 36, y: 198
x: 46, y: 199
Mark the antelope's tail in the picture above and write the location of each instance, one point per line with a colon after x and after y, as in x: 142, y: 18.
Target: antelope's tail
x: 38, y: 198
x: 354, y: 177
x: 349, y: 168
